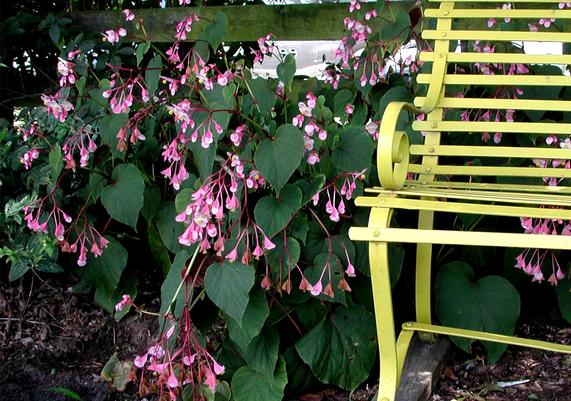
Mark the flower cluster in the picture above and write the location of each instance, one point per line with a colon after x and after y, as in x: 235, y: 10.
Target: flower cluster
x: 310, y: 127
x: 122, y: 94
x: 57, y: 105
x: 531, y: 261
x: 348, y: 183
x: 82, y: 139
x: 204, y: 215
x: 28, y: 157
x: 112, y: 36
x: 266, y: 47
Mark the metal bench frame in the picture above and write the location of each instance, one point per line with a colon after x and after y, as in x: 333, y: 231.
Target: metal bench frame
x: 426, y: 194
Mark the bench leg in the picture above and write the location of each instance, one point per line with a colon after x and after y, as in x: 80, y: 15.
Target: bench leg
x: 382, y: 297
x: 423, y: 276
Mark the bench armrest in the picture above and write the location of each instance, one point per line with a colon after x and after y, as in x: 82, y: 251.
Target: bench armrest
x: 393, y: 147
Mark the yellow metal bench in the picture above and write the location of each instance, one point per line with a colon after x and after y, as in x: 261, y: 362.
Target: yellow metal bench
x: 412, y: 178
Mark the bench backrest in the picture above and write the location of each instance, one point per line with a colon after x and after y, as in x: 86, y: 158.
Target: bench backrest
x: 502, y: 123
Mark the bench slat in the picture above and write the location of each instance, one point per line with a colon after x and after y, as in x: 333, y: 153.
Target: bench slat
x: 474, y: 238
x: 501, y: 36
x: 493, y: 126
x: 499, y: 58
x: 509, y: 80
x: 478, y: 195
x: 491, y: 151
x: 497, y: 13
x: 488, y: 186
x: 463, y: 207
x: 501, y: 104
x: 484, y: 336
x: 491, y: 171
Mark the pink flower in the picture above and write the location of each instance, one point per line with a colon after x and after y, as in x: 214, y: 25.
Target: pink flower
x: 140, y: 361
x: 218, y: 369
x: 316, y: 288
x: 111, y: 36
x: 125, y: 301
x: 129, y: 16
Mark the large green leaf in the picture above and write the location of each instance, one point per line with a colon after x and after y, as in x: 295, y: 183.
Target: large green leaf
x: 105, y: 271
x: 394, y: 94
x: 262, y: 353
x: 354, y: 151
x: 341, y: 349
x: 123, y: 199
x: 249, y: 385
x: 168, y: 228
x: 108, y: 129
x: 227, y: 285
x: 564, y: 298
x: 152, y: 74
x: 253, y: 320
x: 272, y: 215
x: 277, y: 158
x: 215, y: 31
x: 264, y: 98
x: 286, y: 71
x: 489, y: 304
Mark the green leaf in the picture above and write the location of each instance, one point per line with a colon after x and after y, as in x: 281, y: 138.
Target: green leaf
x: 55, y: 33
x: 264, y: 98
x: 168, y: 228
x: 18, y: 269
x: 262, y: 353
x: 142, y: 49
x: 273, y: 215
x: 49, y: 266
x: 286, y: 71
x: 117, y: 373
x: 227, y: 285
x: 394, y: 94
x: 151, y: 202
x: 56, y: 162
x: 489, y: 304
x: 123, y: 199
x: 215, y: 32
x: 354, y: 151
x: 284, y: 256
x: 158, y: 249
x: 152, y: 74
x: 182, y: 199
x: 253, y: 320
x: 66, y: 392
x: 108, y: 129
x: 172, y: 281
x: 105, y: 271
x: 342, y: 98
x: 278, y: 158
x: 341, y: 349
x: 249, y: 385
x: 564, y: 298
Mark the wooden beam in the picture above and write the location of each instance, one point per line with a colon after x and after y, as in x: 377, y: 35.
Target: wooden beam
x: 422, y: 368
x: 245, y: 23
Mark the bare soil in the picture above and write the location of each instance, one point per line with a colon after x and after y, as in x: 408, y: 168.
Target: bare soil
x: 51, y: 337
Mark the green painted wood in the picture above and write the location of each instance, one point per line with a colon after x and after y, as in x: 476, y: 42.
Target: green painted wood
x: 245, y: 23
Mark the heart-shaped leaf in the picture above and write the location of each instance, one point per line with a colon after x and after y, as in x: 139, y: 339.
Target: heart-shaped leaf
x: 272, y: 215
x: 490, y: 304
x: 354, y: 151
x: 227, y: 285
x: 341, y: 349
x: 123, y: 199
x: 249, y: 385
x: 278, y: 158
x: 256, y: 314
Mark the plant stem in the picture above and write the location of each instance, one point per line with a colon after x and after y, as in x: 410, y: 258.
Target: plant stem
x: 184, y: 278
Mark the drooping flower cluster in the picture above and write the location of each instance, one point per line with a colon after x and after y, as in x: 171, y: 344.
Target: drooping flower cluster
x: 531, y: 261
x: 132, y: 127
x: 310, y: 127
x: 266, y: 47
x: 176, y: 360
x: 348, y: 182
x: 112, y: 36
x: 205, y: 214
x: 81, y: 140
x: 121, y: 94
